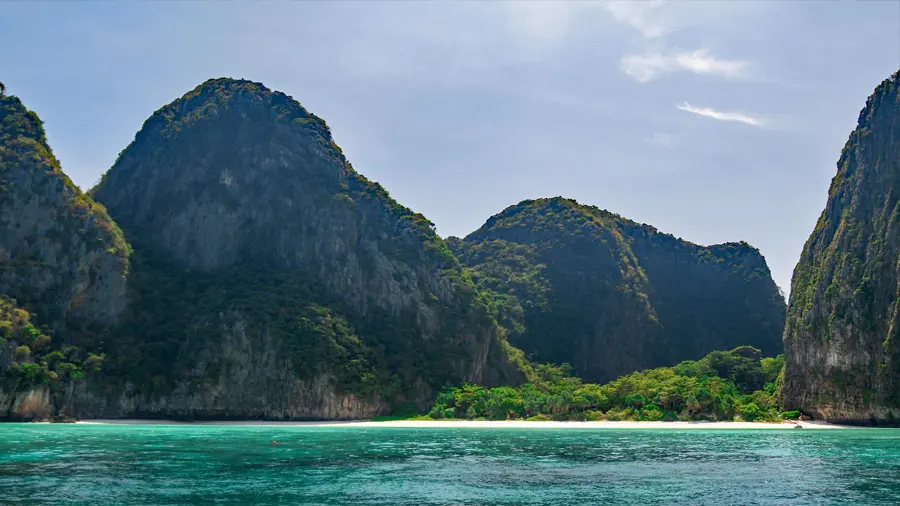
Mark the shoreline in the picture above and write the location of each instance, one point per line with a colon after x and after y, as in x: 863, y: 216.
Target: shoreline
x: 487, y: 424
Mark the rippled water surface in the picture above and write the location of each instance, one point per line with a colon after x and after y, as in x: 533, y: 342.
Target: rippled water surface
x: 178, y: 464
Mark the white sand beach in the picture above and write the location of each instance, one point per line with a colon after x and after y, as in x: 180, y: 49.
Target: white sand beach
x: 484, y: 424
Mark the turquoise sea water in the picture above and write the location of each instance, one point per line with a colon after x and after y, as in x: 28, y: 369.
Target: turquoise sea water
x: 178, y: 464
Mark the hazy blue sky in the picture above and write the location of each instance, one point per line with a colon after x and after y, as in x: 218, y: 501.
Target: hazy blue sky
x: 712, y: 121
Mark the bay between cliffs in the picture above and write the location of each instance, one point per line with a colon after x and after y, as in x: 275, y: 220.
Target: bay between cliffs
x: 488, y: 424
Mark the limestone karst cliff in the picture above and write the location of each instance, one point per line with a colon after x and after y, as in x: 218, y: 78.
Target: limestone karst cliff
x: 841, y: 338
x: 577, y: 284
x: 262, y: 258
x: 62, y: 259
x: 59, y: 251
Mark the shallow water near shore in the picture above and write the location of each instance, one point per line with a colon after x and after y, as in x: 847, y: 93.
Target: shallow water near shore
x: 330, y: 465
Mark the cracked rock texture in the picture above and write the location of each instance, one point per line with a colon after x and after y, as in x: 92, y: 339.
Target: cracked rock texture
x: 841, y: 338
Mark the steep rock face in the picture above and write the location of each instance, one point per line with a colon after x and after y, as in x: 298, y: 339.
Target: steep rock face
x: 256, y: 382
x: 60, y: 254
x: 63, y: 271
x: 580, y: 285
x: 709, y: 297
x: 241, y: 208
x: 841, y: 337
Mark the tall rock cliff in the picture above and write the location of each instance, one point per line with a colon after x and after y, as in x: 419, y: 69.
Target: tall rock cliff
x: 610, y: 296
x: 272, y: 280
x: 841, y: 338
x: 60, y: 254
x: 63, y: 271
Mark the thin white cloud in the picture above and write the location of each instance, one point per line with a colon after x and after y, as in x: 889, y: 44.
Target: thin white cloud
x: 642, y: 16
x: 650, y: 66
x: 701, y: 63
x: 721, y: 116
x: 658, y: 18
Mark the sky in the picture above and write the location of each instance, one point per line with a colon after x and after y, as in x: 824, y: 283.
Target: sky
x: 712, y: 121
